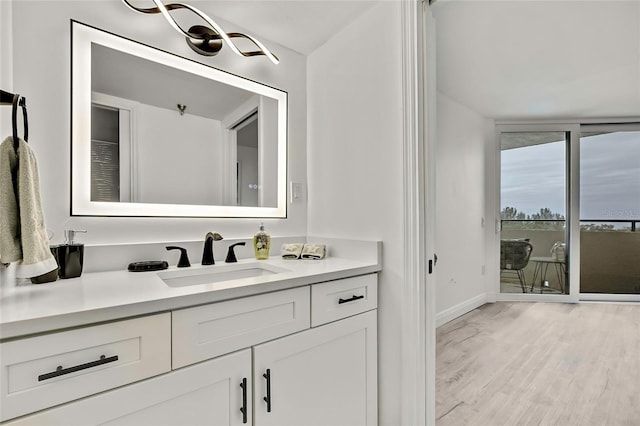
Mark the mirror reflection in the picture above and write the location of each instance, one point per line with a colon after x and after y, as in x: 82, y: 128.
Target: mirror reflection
x: 167, y: 133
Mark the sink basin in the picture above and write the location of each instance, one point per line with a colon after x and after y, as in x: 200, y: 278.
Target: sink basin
x: 218, y: 273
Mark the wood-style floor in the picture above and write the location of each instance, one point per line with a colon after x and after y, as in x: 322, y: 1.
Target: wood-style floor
x: 515, y: 363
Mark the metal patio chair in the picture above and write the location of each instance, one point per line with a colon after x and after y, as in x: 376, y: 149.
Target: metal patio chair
x: 514, y: 257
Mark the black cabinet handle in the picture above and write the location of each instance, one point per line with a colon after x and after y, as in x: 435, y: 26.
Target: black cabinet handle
x: 267, y: 398
x: 243, y: 409
x: 62, y: 371
x: 351, y: 299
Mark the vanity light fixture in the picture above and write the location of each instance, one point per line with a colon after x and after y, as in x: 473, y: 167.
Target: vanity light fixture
x: 205, y: 40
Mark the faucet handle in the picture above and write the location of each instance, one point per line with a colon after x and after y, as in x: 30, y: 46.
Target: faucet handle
x: 184, y: 259
x: 231, y: 255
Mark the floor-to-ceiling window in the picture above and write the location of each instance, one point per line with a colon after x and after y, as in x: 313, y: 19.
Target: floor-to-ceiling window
x: 569, y: 218
x: 533, y: 212
x: 610, y: 210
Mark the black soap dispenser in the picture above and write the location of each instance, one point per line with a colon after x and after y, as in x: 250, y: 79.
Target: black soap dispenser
x: 70, y: 255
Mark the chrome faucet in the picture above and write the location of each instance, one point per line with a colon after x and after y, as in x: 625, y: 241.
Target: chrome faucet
x: 207, y: 253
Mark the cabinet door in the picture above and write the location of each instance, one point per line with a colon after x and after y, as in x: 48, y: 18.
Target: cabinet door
x: 204, y: 394
x: 323, y: 376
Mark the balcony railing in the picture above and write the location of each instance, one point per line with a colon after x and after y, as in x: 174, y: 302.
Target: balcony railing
x: 633, y: 222
x: 616, y: 224
x: 609, y: 250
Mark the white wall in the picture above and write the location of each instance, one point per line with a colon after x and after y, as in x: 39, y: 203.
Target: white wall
x: 460, y: 209
x: 175, y: 163
x: 355, y: 163
x: 41, y: 72
x: 6, y: 70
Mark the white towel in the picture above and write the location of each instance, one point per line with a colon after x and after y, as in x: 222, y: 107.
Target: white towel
x: 313, y: 251
x: 23, y: 239
x: 291, y: 251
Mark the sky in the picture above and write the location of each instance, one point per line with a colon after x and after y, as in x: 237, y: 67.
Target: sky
x: 534, y: 177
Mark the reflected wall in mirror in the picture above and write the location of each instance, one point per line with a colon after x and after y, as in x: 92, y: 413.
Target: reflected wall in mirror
x: 155, y: 134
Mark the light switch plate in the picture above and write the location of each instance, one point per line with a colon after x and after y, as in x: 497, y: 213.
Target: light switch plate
x: 297, y: 191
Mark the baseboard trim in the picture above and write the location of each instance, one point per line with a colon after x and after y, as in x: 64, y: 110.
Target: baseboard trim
x: 460, y: 309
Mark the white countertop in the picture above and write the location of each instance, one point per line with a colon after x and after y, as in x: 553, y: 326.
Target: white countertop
x: 105, y: 296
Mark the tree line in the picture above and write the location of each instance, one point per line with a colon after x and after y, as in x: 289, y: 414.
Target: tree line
x: 547, y: 219
x: 550, y: 220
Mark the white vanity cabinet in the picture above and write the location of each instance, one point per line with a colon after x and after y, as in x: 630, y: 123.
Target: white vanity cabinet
x: 207, y: 331
x: 50, y: 369
x: 208, y: 393
x: 323, y: 376
x: 257, y: 360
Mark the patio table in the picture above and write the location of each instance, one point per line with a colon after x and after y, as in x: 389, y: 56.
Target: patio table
x: 541, y: 267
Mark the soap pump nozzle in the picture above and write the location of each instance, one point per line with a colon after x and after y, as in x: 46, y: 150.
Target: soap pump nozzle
x: 70, y: 235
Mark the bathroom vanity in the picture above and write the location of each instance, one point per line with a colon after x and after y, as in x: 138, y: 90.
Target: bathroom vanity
x: 296, y: 346
x: 292, y: 342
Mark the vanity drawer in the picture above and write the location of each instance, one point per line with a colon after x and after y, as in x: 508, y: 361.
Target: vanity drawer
x: 211, y: 330
x: 43, y: 371
x: 339, y: 299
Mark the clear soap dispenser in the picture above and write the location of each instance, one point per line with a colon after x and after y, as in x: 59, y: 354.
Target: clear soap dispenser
x: 261, y: 244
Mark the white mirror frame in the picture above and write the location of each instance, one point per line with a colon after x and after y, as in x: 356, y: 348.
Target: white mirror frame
x: 82, y: 36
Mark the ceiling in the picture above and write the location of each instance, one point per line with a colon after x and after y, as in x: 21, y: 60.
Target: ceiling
x: 540, y: 59
x: 126, y: 76
x: 504, y: 59
x: 301, y: 25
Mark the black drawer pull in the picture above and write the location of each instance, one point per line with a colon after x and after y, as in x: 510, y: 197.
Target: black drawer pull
x: 62, y: 371
x: 243, y: 409
x: 351, y: 299
x: 267, y: 398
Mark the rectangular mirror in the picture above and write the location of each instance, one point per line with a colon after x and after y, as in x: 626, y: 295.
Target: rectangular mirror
x: 155, y: 134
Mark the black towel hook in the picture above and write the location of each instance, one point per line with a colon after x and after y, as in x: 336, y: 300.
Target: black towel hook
x: 19, y: 101
x: 15, y: 100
